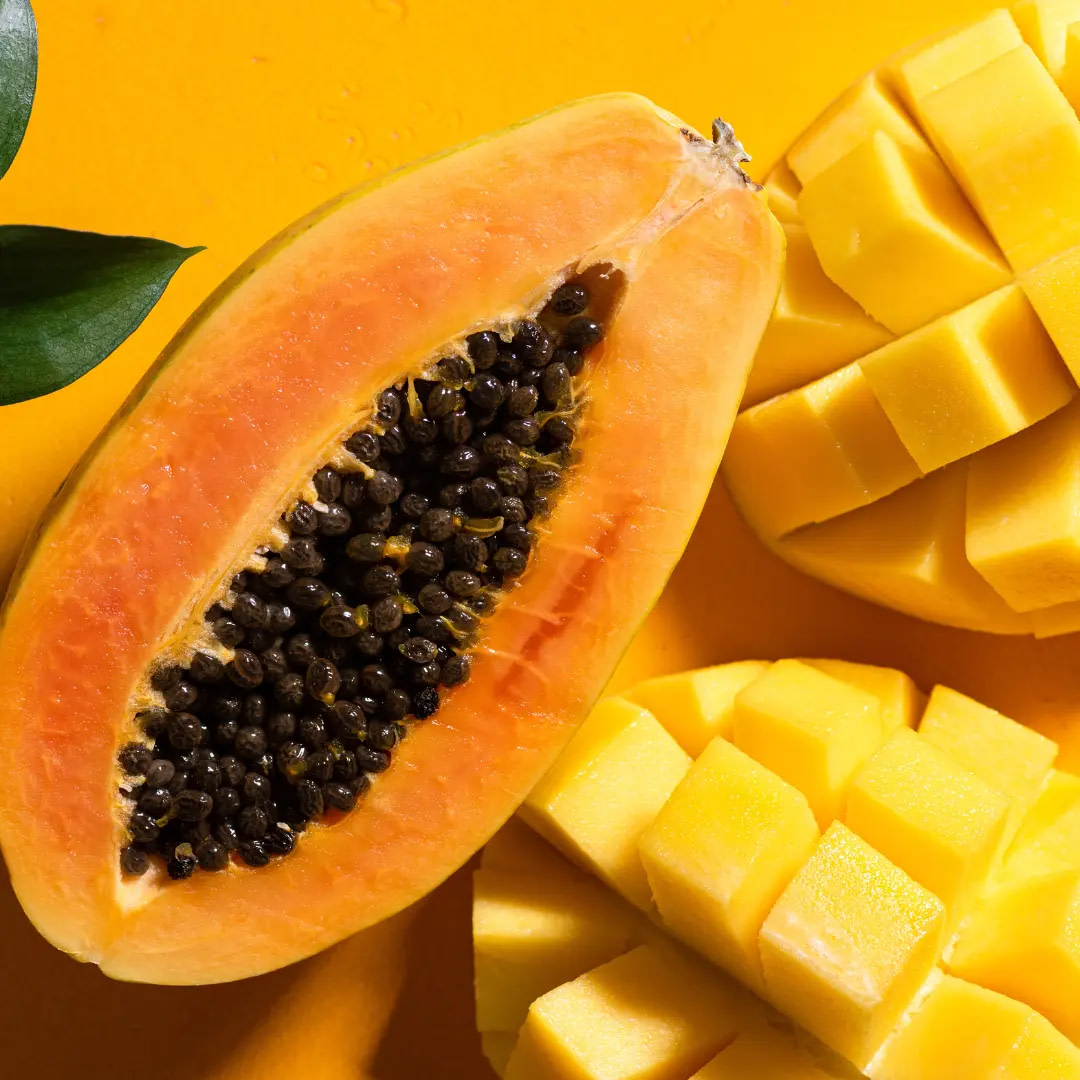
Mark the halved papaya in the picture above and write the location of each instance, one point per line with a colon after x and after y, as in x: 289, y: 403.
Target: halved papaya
x: 159, y: 717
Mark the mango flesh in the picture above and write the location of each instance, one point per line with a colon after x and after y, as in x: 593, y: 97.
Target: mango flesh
x: 941, y: 194
x: 768, y: 1053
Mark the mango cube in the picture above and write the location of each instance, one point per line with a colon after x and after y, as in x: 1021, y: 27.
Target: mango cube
x: 969, y: 379
x: 939, y: 822
x: 962, y: 1030
x: 926, y: 68
x: 696, y: 706
x: 900, y: 699
x: 1023, y: 514
x: 497, y: 1046
x: 893, y: 230
x: 815, y: 326
x: 1069, y: 77
x: 848, y: 944
x: 518, y: 848
x: 782, y: 189
x: 1051, y: 289
x: 810, y: 729
x: 1012, y: 758
x: 1059, y: 795
x: 765, y: 1053
x: 721, y: 850
x: 1055, y: 850
x: 866, y: 108
x: 652, y: 1014
x: 607, y: 785
x: 531, y: 934
x: 1044, y: 24
x: 1012, y: 140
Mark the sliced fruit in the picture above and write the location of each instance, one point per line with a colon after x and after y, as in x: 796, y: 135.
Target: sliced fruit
x: 641, y: 217
x: 609, y: 783
x: 497, y: 1046
x: 720, y: 852
x: 1044, y: 25
x: 768, y: 1053
x: 696, y: 706
x: 1051, y: 289
x: 900, y: 699
x: 782, y: 189
x: 1059, y: 795
x: 518, y: 848
x: 652, y: 1014
x: 848, y: 944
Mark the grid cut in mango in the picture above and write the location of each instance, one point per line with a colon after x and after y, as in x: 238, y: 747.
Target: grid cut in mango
x: 865, y: 108
x: 1052, y: 288
x: 782, y: 189
x: 894, y: 231
x: 961, y: 1030
x: 720, y: 852
x: 1024, y: 942
x: 849, y: 943
x: 652, y: 1014
x: 939, y: 822
x: 1012, y: 140
x: 906, y: 551
x: 1044, y: 24
x: 815, y: 327
x: 970, y: 379
x: 1059, y: 795
x: 531, y: 934
x: 696, y: 706
x: 900, y: 699
x: 1023, y: 513
x: 607, y: 785
x: 926, y: 68
x: 765, y: 1053
x: 810, y: 729
x: 1007, y: 755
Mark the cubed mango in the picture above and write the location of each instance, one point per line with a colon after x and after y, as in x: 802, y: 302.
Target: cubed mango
x: 900, y: 699
x: 782, y: 189
x: 1052, y: 288
x: 767, y: 1053
x: 1058, y: 795
x: 519, y: 848
x: 1043, y: 24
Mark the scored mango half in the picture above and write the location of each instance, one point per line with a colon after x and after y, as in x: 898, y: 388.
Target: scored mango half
x: 911, y: 427
x: 845, y: 878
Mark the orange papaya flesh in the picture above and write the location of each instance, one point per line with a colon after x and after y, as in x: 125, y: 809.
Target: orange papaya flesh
x: 271, y: 374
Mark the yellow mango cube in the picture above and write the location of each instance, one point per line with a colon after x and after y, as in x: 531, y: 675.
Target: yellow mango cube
x: 606, y: 786
x: 532, y: 933
x: 1069, y: 77
x: 1007, y: 755
x: 1059, y: 795
x: 900, y: 699
x: 1054, y: 850
x: 518, y: 848
x: 906, y: 551
x: 766, y: 1053
x: 1023, y: 513
x: 1024, y: 941
x: 1051, y: 289
x: 894, y: 231
x: 782, y: 189
x: 696, y: 706
x: 1012, y: 140
x: 720, y: 852
x: 969, y: 379
x: 927, y: 67
x: 963, y: 1031
x: 849, y: 943
x: 652, y: 1014
x: 497, y: 1047
x: 810, y: 729
x: 815, y: 326
x: 1043, y: 24
x: 939, y: 822
x: 865, y: 108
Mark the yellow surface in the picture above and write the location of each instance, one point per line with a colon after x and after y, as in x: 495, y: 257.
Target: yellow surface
x: 608, y: 784
x: 969, y: 379
x: 1044, y: 25
x: 900, y: 699
x: 765, y: 1054
x: 696, y: 706
x: 1023, y: 514
x: 497, y: 1046
x: 1012, y: 758
x: 939, y: 822
x: 1058, y: 796
x: 809, y: 728
x: 868, y: 107
x: 1054, y: 851
x: 649, y: 1015
x: 815, y: 328
x: 517, y: 847
x: 1013, y: 141
x: 1069, y: 79
x: 721, y: 851
x: 893, y: 230
x: 847, y: 945
x: 782, y: 188
x: 1051, y: 289
x: 961, y: 1030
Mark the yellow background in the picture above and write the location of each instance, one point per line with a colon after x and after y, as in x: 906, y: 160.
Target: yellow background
x: 219, y: 121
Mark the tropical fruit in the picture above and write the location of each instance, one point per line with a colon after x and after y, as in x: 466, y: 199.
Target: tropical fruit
x: 379, y: 487
x: 910, y: 430
x: 880, y: 890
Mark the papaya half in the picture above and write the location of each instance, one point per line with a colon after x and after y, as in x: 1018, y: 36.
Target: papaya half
x: 328, y: 596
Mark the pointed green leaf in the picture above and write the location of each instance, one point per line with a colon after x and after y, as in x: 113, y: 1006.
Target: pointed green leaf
x: 18, y: 75
x: 68, y: 299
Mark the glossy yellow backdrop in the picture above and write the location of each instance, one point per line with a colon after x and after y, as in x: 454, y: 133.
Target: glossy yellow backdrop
x: 219, y: 121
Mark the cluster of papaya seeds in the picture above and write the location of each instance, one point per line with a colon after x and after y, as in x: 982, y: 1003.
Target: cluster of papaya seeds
x: 911, y: 430
x: 824, y: 874
x: 329, y: 595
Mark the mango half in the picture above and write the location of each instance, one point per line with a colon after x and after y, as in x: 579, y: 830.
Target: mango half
x: 909, y: 433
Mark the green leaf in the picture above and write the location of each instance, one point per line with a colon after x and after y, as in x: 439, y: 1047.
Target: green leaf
x: 68, y: 299
x: 18, y: 75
